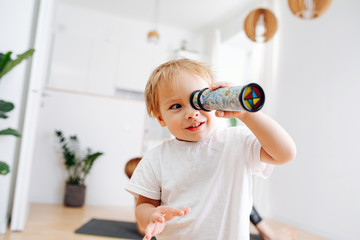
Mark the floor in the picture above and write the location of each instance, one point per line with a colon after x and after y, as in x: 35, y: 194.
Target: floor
x: 56, y: 222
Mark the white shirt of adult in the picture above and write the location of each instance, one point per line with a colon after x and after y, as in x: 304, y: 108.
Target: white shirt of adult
x: 212, y: 176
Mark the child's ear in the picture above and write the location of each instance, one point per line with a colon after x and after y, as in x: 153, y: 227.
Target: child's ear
x: 161, y: 121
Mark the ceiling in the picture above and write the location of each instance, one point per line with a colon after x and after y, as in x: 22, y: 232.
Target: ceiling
x: 192, y: 15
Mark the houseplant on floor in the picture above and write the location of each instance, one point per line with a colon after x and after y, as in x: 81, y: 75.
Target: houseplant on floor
x: 6, y: 64
x: 78, y: 165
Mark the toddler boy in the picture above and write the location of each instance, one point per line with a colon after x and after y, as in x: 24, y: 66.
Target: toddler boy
x: 205, y: 168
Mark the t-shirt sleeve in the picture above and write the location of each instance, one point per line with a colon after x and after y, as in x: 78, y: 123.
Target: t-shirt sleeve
x: 252, y: 150
x: 145, y: 179
x: 259, y: 168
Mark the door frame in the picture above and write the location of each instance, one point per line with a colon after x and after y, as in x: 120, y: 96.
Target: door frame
x: 39, y: 69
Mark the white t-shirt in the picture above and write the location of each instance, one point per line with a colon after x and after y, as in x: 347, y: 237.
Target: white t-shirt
x: 212, y: 176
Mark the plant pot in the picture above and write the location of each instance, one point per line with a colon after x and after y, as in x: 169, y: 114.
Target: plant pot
x: 74, y: 195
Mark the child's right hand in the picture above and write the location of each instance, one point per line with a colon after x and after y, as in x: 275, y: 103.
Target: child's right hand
x: 159, y: 218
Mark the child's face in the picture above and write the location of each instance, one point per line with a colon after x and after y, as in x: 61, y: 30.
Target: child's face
x: 182, y: 120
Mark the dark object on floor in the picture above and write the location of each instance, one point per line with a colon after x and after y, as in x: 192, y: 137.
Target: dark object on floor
x: 255, y: 237
x: 109, y: 228
x: 117, y: 229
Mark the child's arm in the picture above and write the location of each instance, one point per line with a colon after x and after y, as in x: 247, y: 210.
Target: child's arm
x: 277, y: 146
x: 153, y: 217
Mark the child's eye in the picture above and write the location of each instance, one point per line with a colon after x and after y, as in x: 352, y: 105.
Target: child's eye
x: 175, y: 106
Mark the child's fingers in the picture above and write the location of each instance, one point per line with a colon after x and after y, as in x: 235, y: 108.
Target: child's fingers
x: 161, y: 219
x: 147, y: 236
x: 149, y: 231
x: 172, y: 211
x: 186, y: 210
x: 217, y: 85
x: 157, y: 217
x: 219, y: 113
x: 227, y: 114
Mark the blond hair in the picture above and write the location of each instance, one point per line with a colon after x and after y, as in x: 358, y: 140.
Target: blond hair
x: 168, y: 73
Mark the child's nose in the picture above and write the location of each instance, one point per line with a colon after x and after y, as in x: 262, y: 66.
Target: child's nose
x: 191, y: 113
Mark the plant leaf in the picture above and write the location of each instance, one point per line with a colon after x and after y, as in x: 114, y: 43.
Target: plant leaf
x: 58, y: 133
x: 4, y: 58
x: 89, y: 161
x: 77, y: 165
x: 4, y: 168
x: 6, y: 106
x: 10, y: 131
x: 3, y: 115
x: 12, y: 63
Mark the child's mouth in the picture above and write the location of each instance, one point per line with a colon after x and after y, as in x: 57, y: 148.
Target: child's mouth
x: 196, y: 126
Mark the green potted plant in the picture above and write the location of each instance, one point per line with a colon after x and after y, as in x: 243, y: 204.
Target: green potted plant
x: 6, y: 64
x: 78, y: 165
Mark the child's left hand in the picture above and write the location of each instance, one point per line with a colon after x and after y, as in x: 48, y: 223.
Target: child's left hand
x: 159, y: 218
x: 225, y: 114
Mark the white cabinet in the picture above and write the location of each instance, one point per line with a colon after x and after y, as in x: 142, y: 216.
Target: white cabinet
x: 135, y: 64
x: 83, y: 64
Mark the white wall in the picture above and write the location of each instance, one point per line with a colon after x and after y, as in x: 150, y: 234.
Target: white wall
x: 110, y: 125
x: 102, y: 122
x: 15, y: 37
x: 94, y: 51
x: 315, y: 98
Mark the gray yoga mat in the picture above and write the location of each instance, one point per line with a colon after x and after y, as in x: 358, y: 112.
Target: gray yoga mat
x: 118, y: 229
x: 110, y: 228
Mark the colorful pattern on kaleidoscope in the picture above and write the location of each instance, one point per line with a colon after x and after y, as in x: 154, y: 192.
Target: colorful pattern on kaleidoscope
x: 253, y: 98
